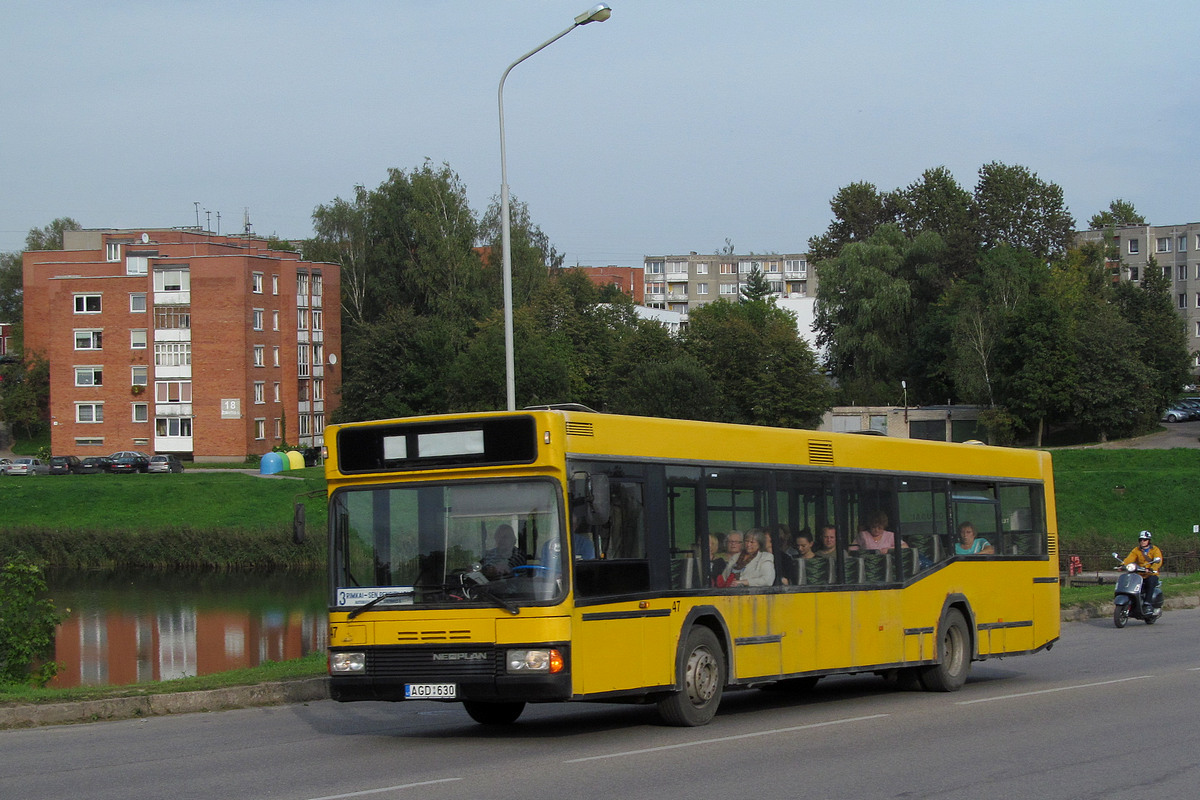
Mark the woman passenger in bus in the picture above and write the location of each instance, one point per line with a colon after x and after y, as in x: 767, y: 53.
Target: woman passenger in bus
x: 776, y: 545
x: 754, y: 567
x: 802, y: 545
x: 717, y: 564
x: 969, y: 545
x: 876, y: 536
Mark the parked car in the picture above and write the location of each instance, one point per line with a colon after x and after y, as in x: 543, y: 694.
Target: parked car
x: 4, y: 464
x: 1177, y: 413
x: 28, y: 466
x: 165, y: 463
x: 65, y: 465
x: 1191, y: 404
x: 130, y: 462
x: 93, y: 464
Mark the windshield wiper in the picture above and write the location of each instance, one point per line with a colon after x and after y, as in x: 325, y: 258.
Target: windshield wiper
x: 377, y: 601
x: 499, y: 601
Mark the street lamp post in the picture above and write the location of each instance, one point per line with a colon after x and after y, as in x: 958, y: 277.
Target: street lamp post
x: 597, y: 13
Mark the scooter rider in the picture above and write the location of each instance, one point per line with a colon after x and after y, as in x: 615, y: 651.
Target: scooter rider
x: 1144, y: 556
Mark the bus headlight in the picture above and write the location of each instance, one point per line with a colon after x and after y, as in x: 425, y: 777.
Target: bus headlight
x: 548, y: 661
x: 343, y: 662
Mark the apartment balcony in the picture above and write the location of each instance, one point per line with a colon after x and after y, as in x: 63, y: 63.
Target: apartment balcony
x: 301, y: 301
x: 796, y: 274
x: 656, y: 297
x: 172, y: 409
x: 678, y: 296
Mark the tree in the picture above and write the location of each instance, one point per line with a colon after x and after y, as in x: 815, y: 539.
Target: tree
x: 937, y: 204
x: 342, y: 237
x: 1119, y: 214
x: 858, y: 209
x: 756, y: 287
x: 27, y: 622
x: 51, y: 236
x: 1161, y: 335
x: 532, y: 254
x: 11, y: 279
x: 1016, y: 207
x: 652, y: 376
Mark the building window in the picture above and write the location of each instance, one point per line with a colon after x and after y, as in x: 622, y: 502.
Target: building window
x: 1181, y: 272
x: 139, y: 376
x: 799, y: 266
x: 275, y: 355
x: 177, y: 279
x: 274, y: 320
x: 701, y: 267
x: 319, y: 423
x: 1182, y: 300
x: 318, y: 320
x: 172, y: 354
x: 169, y: 318
x: 88, y: 340
x: 772, y: 267
x: 318, y: 389
x: 258, y: 319
x: 317, y: 288
x: 701, y: 288
x: 87, y: 304
x: 305, y: 421
x: 276, y: 391
x: 275, y: 284
x: 1182, y: 244
x: 260, y: 392
x: 89, y: 376
x: 318, y: 351
x: 1133, y: 247
x: 1162, y: 244
x: 654, y: 268
x: 729, y: 269
x: 260, y: 429
x: 137, y: 265
x: 89, y: 412
x: 259, y: 352
x: 141, y: 412
x: 89, y: 441
x: 112, y: 251
x: 173, y: 391
x: 303, y: 355
x: 1197, y: 299
x: 302, y: 319
x: 677, y: 268
x: 137, y: 302
x: 256, y: 283
x: 137, y: 339
x: 1133, y: 273
x: 655, y: 288
x: 729, y: 288
x: 173, y: 426
x: 278, y: 428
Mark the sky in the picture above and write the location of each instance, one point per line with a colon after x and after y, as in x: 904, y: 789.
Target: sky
x: 671, y: 128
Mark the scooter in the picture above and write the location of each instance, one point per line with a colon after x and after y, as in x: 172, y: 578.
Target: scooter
x: 1127, y: 597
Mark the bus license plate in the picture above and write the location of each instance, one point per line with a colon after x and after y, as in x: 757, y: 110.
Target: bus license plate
x: 430, y: 691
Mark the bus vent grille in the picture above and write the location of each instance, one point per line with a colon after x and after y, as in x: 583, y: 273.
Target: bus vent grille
x: 820, y: 452
x: 434, y: 663
x: 434, y: 636
x: 580, y: 429
x: 1053, y: 546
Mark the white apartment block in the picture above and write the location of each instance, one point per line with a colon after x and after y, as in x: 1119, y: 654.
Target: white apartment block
x: 1176, y: 251
x: 681, y: 283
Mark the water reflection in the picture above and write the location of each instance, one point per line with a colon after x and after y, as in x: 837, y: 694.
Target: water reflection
x: 125, y: 628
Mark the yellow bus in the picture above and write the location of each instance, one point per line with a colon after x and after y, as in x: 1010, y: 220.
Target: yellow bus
x: 559, y: 554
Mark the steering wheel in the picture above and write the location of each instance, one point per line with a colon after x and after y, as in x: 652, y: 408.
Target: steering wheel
x: 533, y: 568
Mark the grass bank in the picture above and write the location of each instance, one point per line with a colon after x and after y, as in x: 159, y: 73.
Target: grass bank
x: 208, y: 520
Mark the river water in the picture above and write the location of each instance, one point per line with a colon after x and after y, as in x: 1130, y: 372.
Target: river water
x: 129, y: 628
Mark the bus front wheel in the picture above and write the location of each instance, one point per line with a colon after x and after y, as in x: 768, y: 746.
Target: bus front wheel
x: 954, y: 657
x: 493, y: 713
x: 701, y: 678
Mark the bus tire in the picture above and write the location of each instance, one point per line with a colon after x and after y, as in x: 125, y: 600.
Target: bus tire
x: 702, y: 678
x: 493, y: 713
x: 954, y: 656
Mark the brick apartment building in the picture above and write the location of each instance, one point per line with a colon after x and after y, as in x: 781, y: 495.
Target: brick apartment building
x: 182, y: 341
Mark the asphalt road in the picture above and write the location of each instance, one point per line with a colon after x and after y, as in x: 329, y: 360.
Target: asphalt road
x: 1106, y: 713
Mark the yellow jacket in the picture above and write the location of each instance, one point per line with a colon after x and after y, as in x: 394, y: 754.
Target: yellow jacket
x: 1146, y: 559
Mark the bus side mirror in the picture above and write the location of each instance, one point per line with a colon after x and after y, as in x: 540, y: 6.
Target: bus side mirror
x: 298, y: 532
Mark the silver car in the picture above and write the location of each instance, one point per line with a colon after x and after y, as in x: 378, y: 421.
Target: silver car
x: 28, y: 466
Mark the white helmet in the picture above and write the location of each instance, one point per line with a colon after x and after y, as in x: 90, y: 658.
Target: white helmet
x: 1144, y: 535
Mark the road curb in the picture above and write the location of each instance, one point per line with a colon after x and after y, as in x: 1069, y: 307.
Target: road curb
x: 1101, y: 610
x: 155, y: 705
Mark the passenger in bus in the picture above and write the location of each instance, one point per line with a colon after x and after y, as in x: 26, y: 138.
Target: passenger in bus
x: 802, y: 545
x: 581, y: 535
x: 716, y: 564
x: 776, y: 547
x: 969, y: 544
x: 828, y: 544
x: 876, y: 536
x: 754, y: 567
x: 498, y: 562
x: 733, y: 547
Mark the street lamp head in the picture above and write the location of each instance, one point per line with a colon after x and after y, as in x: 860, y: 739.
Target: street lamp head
x: 597, y: 13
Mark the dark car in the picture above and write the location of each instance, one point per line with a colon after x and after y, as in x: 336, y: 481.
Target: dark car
x: 65, y: 465
x: 130, y: 462
x: 165, y: 463
x: 94, y: 464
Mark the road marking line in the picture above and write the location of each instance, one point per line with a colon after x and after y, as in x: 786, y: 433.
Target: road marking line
x: 385, y: 789
x: 1051, y: 691
x: 724, y: 739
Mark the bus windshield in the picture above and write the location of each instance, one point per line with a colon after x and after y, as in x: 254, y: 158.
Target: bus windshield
x: 492, y: 543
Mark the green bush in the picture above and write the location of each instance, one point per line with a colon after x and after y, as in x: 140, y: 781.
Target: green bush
x: 27, y: 622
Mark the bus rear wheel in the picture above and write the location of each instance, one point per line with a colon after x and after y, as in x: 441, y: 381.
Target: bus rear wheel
x: 954, y: 657
x: 493, y: 713
x: 702, y: 678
